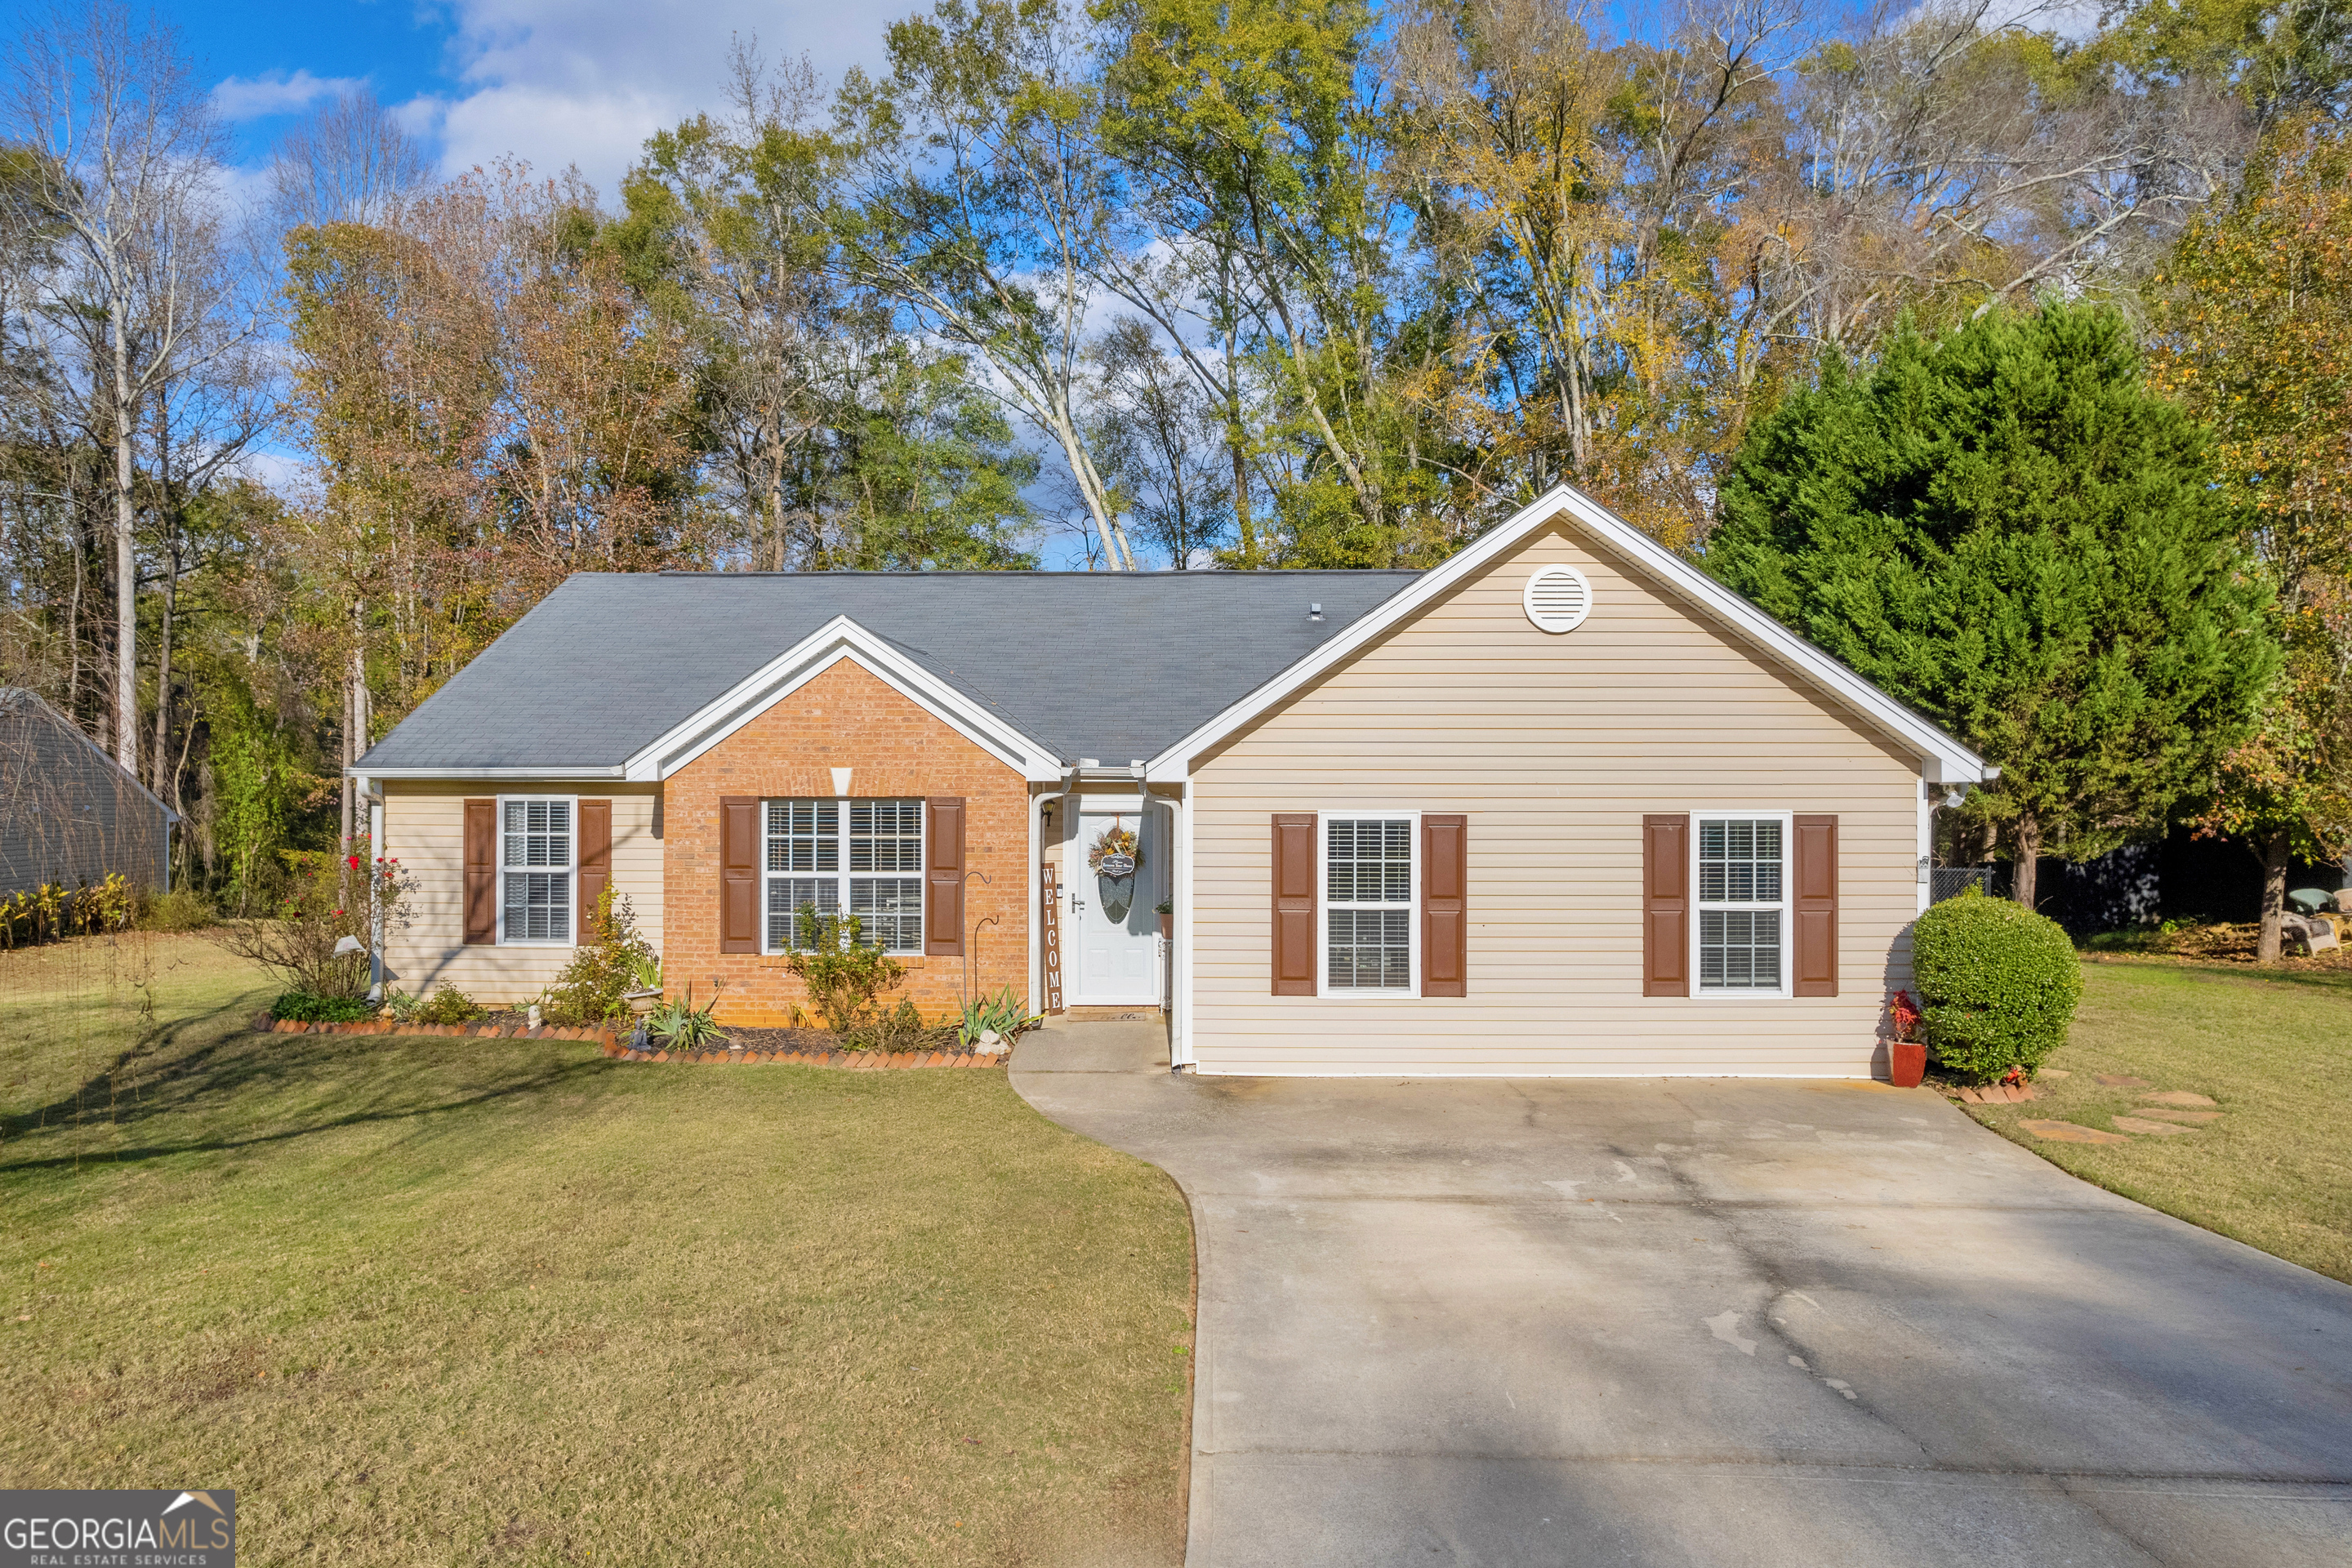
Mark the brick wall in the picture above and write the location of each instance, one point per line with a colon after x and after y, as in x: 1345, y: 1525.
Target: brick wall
x: 845, y: 718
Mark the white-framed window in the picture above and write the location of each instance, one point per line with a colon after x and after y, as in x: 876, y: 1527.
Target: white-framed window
x: 862, y: 857
x: 538, y: 844
x: 1371, y: 886
x: 1740, y: 872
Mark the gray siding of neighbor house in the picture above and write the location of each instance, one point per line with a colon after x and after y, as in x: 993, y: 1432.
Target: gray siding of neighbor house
x: 69, y: 813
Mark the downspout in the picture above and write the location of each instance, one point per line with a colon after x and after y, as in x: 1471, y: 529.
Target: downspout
x: 375, y: 899
x: 1180, y: 998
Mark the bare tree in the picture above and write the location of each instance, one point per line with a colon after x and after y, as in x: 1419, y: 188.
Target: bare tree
x: 123, y: 150
x: 347, y: 161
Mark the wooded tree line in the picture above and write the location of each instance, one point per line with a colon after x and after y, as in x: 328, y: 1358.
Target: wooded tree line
x: 1147, y: 283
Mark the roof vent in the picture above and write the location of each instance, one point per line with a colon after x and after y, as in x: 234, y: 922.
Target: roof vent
x: 1315, y: 612
x: 1558, y: 598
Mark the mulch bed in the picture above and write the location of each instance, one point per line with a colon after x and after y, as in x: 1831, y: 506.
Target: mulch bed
x: 798, y: 1047
x: 2220, y: 943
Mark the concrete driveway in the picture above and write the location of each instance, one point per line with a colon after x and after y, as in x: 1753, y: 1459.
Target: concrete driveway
x: 1713, y: 1321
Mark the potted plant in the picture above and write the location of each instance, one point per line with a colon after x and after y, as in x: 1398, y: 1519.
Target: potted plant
x: 645, y: 985
x: 1166, y: 918
x: 1906, y: 1054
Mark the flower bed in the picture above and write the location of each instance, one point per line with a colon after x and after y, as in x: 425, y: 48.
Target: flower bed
x: 809, y: 1052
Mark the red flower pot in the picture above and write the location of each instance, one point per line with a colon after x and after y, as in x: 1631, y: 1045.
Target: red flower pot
x: 1906, y: 1063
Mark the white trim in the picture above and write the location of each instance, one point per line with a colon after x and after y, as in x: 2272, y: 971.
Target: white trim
x: 838, y: 639
x: 366, y: 776
x: 1784, y: 991
x: 1926, y: 843
x: 1410, y: 989
x: 1948, y: 761
x: 571, y: 872
x: 1179, y: 997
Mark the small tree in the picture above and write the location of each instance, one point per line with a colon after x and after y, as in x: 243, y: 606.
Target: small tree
x: 2007, y: 529
x: 326, y: 901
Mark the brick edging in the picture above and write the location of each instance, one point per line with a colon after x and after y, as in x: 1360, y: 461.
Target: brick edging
x: 610, y: 1043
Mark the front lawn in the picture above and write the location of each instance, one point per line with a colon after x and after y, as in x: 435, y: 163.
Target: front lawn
x: 442, y: 1300
x: 2271, y: 1050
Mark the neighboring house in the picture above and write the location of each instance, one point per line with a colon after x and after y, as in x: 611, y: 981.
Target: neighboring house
x: 69, y: 813
x: 1563, y: 804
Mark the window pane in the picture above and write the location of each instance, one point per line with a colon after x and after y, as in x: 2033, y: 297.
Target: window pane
x: 1740, y: 862
x: 786, y: 897
x: 1370, y: 949
x: 1739, y: 949
x: 539, y: 906
x: 538, y: 833
x: 886, y: 836
x: 1368, y: 862
x: 891, y: 908
x: 803, y: 835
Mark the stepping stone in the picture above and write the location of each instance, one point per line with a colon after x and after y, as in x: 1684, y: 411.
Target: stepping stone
x: 2193, y: 1118
x: 2119, y: 1081
x: 2136, y: 1125
x: 2176, y: 1096
x: 2067, y: 1132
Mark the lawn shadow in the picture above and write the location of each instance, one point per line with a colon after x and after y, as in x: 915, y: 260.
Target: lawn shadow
x: 153, y: 1079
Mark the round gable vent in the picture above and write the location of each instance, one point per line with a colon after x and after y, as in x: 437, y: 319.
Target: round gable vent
x: 1558, y: 598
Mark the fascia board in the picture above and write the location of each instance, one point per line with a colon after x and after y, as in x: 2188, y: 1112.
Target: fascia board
x: 837, y: 639
x: 1954, y: 760
x: 364, y: 774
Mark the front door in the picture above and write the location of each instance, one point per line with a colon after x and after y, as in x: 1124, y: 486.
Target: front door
x: 1114, y: 932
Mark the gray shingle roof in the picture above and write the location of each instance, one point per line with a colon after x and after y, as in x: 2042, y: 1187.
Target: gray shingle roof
x: 1114, y: 666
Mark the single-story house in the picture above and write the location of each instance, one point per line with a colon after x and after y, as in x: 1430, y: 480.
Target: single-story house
x: 1563, y: 804
x: 69, y: 813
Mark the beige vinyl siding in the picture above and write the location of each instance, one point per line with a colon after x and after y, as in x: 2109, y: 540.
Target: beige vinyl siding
x: 1555, y: 746
x: 424, y: 829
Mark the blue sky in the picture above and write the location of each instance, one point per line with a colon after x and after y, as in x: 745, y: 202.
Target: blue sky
x: 551, y: 81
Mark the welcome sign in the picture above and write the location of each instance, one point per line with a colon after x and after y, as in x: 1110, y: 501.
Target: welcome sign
x: 160, y: 1529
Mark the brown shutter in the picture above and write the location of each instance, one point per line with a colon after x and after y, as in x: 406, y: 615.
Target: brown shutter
x: 481, y: 871
x: 1444, y: 922
x: 738, y: 874
x: 1294, y: 903
x: 1815, y: 907
x: 1666, y: 906
x: 596, y: 861
x: 943, y: 877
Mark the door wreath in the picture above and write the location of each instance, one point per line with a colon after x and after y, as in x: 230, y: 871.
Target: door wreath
x: 1116, y: 853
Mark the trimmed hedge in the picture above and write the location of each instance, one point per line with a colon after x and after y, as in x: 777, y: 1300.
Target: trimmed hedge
x: 1998, y: 982
x: 301, y: 1007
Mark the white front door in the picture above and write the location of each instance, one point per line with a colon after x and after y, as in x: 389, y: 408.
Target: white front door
x: 1114, y: 928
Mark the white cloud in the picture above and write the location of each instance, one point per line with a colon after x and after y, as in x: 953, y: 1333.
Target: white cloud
x: 585, y: 82
x: 275, y: 93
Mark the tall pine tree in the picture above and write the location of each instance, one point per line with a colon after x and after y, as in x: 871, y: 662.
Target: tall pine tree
x: 2006, y: 529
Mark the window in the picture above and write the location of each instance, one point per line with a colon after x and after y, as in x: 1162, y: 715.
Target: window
x: 807, y: 865
x: 1368, y: 881
x: 1741, y: 902
x: 535, y: 852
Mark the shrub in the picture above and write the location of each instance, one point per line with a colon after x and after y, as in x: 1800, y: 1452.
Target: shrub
x: 1999, y: 984
x: 843, y: 976
x: 684, y: 1026
x: 182, y: 909
x: 305, y: 1008
x: 1001, y: 1014
x: 899, y: 1029
x: 325, y: 899
x: 448, y: 1006
x: 604, y: 969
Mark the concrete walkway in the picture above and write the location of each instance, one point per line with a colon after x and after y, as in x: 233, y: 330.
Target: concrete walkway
x: 1708, y: 1322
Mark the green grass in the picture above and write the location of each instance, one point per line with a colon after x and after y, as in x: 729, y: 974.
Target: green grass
x: 2274, y: 1049
x: 435, y: 1301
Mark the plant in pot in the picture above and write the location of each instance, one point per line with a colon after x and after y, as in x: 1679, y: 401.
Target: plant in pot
x: 1906, y: 1053
x: 1167, y: 917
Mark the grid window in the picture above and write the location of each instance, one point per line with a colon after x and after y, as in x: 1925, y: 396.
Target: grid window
x: 1367, y: 927
x: 1741, y: 909
x: 808, y: 864
x: 535, y: 870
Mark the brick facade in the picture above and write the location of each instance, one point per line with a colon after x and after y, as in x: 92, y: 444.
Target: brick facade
x: 845, y: 718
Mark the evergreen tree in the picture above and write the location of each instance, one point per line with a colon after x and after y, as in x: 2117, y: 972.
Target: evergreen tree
x: 2006, y: 529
